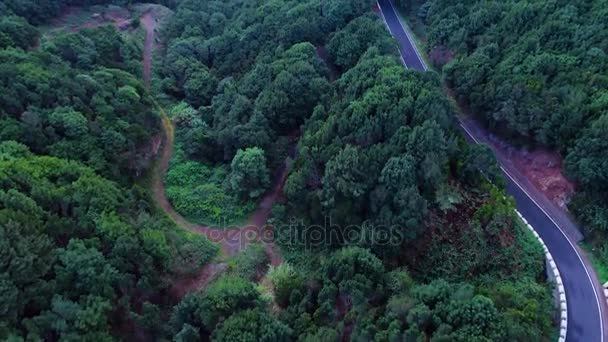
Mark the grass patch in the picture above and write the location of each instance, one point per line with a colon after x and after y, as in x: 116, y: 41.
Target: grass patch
x: 594, y: 255
x: 190, y: 251
x: 251, y: 263
x: 198, y: 193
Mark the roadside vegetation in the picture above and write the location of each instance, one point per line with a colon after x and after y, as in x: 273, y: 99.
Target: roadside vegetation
x: 535, y: 72
x: 389, y: 230
x: 432, y: 241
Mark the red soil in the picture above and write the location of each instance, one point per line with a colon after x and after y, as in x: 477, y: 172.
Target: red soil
x: 542, y: 167
x: 119, y: 17
x: 343, y: 306
x: 441, y: 55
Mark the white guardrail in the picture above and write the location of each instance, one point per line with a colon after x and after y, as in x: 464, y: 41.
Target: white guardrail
x: 553, y: 273
x: 552, y: 270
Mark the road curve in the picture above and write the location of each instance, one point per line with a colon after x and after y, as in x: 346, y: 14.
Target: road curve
x: 585, y: 301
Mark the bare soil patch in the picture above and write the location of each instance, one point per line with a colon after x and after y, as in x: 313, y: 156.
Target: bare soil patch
x: 76, y: 18
x: 542, y: 167
x: 150, y: 25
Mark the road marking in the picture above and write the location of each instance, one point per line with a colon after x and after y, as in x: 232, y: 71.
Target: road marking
x: 514, y: 181
x: 597, y: 301
x: 403, y: 61
x: 384, y: 19
x: 469, y: 133
x: 392, y: 35
x: 411, y: 40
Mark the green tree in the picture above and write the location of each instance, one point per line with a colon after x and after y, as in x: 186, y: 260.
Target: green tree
x: 68, y: 122
x: 16, y: 32
x: 252, y: 324
x: 356, y: 272
x: 249, y: 175
x: 187, y: 317
x: 200, y: 87
x: 285, y: 280
x: 587, y: 162
x: 226, y: 296
x: 480, y: 162
x: 86, y: 319
x: 85, y: 270
x: 349, y: 44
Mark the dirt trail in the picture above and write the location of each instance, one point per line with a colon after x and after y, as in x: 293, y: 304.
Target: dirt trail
x: 150, y: 25
x: 231, y: 240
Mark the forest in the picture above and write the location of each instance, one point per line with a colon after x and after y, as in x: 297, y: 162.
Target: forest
x: 390, y: 226
x: 536, y: 72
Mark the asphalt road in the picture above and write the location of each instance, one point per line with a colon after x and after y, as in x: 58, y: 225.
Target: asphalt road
x: 409, y: 53
x: 585, y: 302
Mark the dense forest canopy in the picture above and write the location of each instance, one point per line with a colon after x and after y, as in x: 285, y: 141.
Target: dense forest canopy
x: 376, y: 152
x: 536, y: 72
x: 82, y: 246
x: 414, y: 243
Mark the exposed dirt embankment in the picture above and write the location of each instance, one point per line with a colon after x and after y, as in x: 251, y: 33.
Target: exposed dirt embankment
x: 543, y: 168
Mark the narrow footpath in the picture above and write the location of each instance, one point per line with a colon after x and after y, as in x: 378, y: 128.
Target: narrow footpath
x: 231, y: 241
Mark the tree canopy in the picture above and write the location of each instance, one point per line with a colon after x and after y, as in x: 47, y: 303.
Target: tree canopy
x: 535, y: 72
x: 379, y: 189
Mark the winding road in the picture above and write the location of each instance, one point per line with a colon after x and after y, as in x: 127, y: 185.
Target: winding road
x: 586, y: 303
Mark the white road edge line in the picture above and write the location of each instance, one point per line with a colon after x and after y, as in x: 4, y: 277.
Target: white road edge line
x: 554, y: 271
x: 412, y: 41
x: 391, y: 33
x: 469, y: 133
x: 513, y: 179
x: 597, y: 300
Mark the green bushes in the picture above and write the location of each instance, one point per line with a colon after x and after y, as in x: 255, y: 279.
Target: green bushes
x: 284, y: 280
x: 526, y: 71
x: 495, y: 245
x: 250, y: 325
x: 197, y: 191
x: 251, y: 263
x: 248, y: 173
x: 192, y: 252
x: 78, y: 245
x: 230, y: 310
